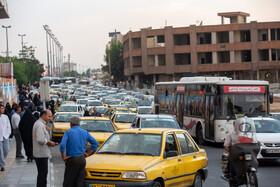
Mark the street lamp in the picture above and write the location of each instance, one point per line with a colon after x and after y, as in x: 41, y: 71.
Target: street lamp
x: 21, y: 35
x: 7, y: 52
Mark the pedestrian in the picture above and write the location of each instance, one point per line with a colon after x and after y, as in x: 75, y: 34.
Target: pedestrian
x: 75, y: 141
x: 25, y: 128
x: 41, y: 146
x: 35, y: 112
x: 15, y: 125
x: 5, y: 131
x: 52, y: 105
x: 95, y: 113
x: 86, y: 112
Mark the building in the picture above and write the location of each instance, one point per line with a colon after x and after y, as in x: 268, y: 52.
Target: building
x: 239, y: 50
x: 4, y: 9
x: 68, y: 66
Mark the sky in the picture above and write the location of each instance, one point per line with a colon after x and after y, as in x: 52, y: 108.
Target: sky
x: 82, y: 26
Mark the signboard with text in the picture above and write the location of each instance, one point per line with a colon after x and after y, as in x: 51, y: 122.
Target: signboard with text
x: 244, y: 89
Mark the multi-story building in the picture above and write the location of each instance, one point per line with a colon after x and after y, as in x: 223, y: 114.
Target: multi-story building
x: 69, y: 66
x: 239, y: 50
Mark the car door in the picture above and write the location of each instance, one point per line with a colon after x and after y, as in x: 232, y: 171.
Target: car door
x: 172, y: 166
x: 190, y: 163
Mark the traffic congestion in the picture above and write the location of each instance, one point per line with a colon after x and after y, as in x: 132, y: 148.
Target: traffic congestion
x: 143, y: 142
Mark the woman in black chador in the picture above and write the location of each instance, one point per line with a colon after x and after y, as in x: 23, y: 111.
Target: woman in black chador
x: 25, y: 127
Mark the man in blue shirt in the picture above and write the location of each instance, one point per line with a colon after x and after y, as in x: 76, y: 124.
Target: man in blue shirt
x: 75, y: 141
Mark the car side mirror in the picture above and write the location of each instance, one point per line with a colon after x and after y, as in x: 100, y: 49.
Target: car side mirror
x: 171, y: 154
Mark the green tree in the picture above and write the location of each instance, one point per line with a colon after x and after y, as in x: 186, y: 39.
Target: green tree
x: 115, y: 53
x: 70, y: 74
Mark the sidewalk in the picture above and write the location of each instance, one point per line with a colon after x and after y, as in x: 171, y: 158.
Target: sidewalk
x: 21, y: 173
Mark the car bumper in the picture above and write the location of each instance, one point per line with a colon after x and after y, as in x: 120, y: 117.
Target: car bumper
x: 269, y: 153
x: 88, y: 183
x: 205, y: 173
x: 57, y: 134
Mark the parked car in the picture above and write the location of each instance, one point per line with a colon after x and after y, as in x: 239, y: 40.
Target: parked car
x: 153, y: 157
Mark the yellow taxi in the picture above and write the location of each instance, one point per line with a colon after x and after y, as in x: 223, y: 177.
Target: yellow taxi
x: 147, y: 157
x: 111, y: 111
x: 131, y: 105
x: 123, y: 120
x: 98, y: 127
x: 61, y: 122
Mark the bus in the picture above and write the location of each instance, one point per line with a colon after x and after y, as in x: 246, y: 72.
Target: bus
x: 84, y: 82
x: 207, y: 106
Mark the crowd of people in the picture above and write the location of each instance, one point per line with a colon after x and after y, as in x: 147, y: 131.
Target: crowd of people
x: 28, y: 123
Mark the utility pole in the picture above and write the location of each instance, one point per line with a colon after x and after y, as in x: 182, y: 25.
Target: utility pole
x: 7, y: 52
x: 22, y: 35
x: 113, y: 35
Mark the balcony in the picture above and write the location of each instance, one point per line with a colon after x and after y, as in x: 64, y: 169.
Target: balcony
x: 4, y: 9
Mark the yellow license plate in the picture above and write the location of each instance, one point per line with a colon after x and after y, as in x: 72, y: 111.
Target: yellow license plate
x: 102, y: 185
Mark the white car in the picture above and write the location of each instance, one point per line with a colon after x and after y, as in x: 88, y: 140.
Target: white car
x: 268, y: 134
x: 144, y: 110
x: 82, y: 102
x: 71, y: 107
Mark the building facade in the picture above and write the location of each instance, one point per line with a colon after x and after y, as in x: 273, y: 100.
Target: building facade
x: 239, y: 50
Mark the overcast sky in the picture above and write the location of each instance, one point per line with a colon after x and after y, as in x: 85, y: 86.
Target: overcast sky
x: 82, y: 26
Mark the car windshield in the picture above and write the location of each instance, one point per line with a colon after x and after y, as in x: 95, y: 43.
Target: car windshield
x: 97, y: 125
x: 114, y: 102
x: 66, y: 108
x: 83, y: 102
x: 159, y: 123
x: 65, y: 117
x: 144, y: 103
x: 123, y: 111
x: 144, y: 110
x: 276, y: 116
x: 267, y: 126
x: 101, y: 110
x: 122, y: 118
x: 132, y: 144
x: 130, y: 105
x: 95, y: 103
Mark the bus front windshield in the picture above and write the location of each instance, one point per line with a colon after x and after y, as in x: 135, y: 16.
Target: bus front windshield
x: 229, y: 105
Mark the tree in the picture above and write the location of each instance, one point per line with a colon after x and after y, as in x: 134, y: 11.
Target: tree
x: 28, y: 71
x: 115, y: 53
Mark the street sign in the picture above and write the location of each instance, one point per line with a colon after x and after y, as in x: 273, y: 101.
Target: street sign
x: 44, y: 91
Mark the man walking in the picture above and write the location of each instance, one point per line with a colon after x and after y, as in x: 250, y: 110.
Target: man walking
x: 15, y: 125
x: 41, y: 146
x: 75, y: 141
x: 5, y: 131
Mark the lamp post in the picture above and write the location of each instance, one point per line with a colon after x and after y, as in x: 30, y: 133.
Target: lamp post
x: 7, y: 52
x: 21, y: 35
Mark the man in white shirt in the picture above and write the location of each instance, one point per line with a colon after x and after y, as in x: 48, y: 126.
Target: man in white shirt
x: 5, y: 131
x: 15, y: 123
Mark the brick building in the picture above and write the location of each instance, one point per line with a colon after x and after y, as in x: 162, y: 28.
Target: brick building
x: 239, y: 50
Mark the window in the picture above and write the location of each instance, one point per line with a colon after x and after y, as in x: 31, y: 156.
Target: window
x: 170, y: 144
x: 186, y: 146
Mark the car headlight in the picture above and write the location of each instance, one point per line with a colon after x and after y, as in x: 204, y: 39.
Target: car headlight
x: 134, y: 175
x: 57, y: 130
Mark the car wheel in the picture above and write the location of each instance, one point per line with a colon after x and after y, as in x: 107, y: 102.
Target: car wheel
x: 197, y: 180
x: 156, y: 184
x: 200, y: 138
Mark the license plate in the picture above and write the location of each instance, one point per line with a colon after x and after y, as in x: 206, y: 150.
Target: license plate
x: 273, y: 151
x: 101, y: 185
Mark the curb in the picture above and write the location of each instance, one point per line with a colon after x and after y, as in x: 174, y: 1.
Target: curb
x: 9, y: 160
x: 51, y: 173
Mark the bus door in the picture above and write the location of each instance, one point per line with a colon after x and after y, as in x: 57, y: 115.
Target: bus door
x: 180, y: 109
x: 209, y: 116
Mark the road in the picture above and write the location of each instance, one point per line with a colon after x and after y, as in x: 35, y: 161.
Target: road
x: 268, y: 172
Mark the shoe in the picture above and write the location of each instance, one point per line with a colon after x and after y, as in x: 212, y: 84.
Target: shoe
x: 29, y: 160
x: 2, y: 169
x: 20, y: 156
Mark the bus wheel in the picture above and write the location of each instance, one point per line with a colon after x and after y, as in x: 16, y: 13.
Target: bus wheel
x: 199, y: 135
